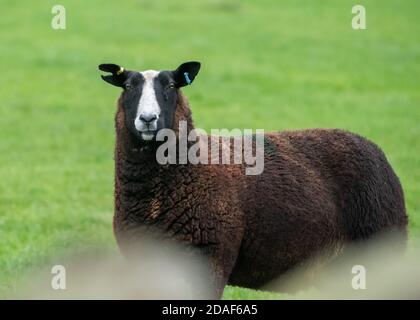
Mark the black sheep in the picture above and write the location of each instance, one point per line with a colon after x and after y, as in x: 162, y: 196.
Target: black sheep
x: 319, y: 189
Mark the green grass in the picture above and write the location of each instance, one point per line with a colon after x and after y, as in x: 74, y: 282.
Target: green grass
x: 266, y: 64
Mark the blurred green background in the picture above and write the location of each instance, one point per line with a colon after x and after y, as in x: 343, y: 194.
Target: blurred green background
x: 265, y: 64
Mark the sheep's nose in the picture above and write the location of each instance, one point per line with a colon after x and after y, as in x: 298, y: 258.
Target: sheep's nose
x: 148, y: 117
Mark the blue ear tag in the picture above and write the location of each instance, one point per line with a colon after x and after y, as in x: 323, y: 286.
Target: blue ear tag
x: 187, y: 78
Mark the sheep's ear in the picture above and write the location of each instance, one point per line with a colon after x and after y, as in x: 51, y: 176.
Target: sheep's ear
x: 186, y: 73
x: 119, y: 74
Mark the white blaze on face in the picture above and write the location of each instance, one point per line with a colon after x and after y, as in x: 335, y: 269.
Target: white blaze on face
x: 148, y: 102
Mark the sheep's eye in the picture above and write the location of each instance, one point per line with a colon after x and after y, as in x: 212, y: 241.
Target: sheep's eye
x: 127, y: 86
x: 171, y: 86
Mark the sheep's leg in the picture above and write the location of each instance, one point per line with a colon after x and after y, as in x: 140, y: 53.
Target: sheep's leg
x: 221, y: 267
x: 219, y: 279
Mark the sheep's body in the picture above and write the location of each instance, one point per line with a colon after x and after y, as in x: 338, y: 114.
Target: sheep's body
x: 319, y: 189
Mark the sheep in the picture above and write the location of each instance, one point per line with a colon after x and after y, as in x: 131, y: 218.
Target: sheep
x: 320, y: 188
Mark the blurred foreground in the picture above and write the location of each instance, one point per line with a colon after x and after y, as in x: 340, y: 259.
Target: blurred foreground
x: 160, y: 271
x: 379, y: 270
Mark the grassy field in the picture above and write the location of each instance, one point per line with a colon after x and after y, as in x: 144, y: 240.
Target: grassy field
x: 265, y: 64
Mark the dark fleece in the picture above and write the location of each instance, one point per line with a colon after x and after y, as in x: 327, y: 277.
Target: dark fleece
x: 320, y: 188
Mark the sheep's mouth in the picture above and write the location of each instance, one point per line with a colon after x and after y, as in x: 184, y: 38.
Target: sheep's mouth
x: 147, y: 135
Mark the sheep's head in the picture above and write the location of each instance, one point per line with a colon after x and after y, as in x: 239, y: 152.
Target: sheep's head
x: 150, y: 97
